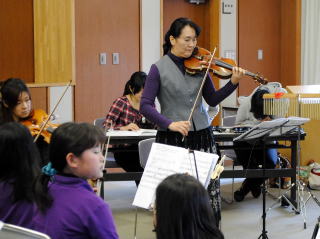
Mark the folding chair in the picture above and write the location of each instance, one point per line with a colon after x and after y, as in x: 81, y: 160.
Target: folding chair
x: 144, y: 150
x: 114, y: 176
x: 9, y: 231
x: 228, y: 120
x: 109, y: 163
x: 99, y: 122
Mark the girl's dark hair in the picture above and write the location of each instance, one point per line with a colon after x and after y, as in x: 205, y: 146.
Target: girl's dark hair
x: 183, y: 210
x: 175, y: 31
x: 257, y: 104
x: 67, y: 138
x: 10, y: 91
x: 19, y: 161
x: 135, y: 84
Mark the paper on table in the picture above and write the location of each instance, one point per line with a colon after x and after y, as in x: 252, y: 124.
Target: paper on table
x: 165, y: 160
x: 140, y: 132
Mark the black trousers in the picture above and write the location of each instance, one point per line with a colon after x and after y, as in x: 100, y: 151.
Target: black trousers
x: 127, y: 157
x: 251, y: 158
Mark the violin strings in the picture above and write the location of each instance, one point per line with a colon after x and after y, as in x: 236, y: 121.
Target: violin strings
x: 229, y: 66
x: 224, y: 64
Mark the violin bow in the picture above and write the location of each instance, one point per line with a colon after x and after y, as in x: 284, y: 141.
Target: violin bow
x: 54, y: 108
x: 201, y: 86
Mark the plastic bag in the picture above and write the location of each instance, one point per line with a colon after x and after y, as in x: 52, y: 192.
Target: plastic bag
x: 314, y: 177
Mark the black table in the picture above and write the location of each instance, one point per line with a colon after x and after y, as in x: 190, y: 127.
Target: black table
x: 293, y: 138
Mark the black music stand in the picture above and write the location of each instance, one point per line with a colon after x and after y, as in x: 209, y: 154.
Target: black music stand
x: 294, y: 123
x: 316, y: 230
x: 259, y: 133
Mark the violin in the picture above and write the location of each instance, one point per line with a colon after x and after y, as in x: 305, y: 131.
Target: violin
x: 36, y: 121
x: 221, y: 67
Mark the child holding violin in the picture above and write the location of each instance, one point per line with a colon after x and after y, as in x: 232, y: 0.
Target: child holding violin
x: 70, y: 208
x: 16, y: 106
x: 19, y: 167
x: 15, y: 100
x: 176, y: 91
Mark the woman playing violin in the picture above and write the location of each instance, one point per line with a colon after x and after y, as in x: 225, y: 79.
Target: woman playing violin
x: 16, y: 105
x: 176, y: 91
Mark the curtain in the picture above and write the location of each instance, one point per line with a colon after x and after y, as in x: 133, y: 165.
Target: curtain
x: 310, y: 42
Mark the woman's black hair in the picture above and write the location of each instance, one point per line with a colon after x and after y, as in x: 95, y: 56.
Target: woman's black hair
x: 19, y: 161
x: 135, y: 84
x: 257, y: 104
x: 183, y: 210
x: 67, y: 138
x: 10, y: 91
x: 176, y: 29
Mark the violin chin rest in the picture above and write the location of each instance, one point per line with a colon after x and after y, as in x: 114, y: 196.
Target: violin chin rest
x: 191, y: 72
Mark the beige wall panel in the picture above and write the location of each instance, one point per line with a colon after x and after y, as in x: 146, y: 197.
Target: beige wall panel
x: 309, y: 149
x: 54, y: 40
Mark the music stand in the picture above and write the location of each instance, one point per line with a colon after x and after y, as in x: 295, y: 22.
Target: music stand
x: 259, y: 133
x: 294, y: 123
x: 316, y: 233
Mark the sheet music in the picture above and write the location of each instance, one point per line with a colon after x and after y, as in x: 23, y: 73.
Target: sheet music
x: 261, y: 129
x: 165, y: 160
x: 292, y: 123
x: 128, y: 133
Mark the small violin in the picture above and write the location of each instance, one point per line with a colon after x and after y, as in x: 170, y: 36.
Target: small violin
x: 35, y: 122
x: 221, y: 67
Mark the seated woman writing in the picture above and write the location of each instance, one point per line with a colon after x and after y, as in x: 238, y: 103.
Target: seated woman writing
x: 124, y: 114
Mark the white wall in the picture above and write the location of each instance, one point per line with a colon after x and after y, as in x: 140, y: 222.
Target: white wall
x: 310, y: 46
x: 228, y: 41
x: 64, y: 111
x: 150, y: 33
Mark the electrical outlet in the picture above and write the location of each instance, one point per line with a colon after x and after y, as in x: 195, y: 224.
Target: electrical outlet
x: 103, y: 58
x: 260, y: 54
x: 115, y: 58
